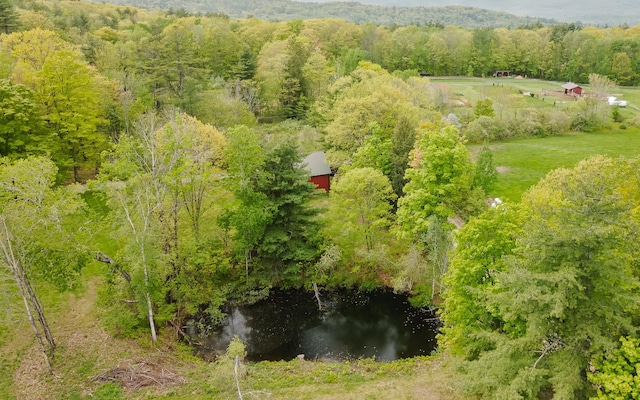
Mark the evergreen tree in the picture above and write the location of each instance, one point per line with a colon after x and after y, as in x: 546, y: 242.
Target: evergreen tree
x: 245, y: 69
x: 294, y: 85
x: 403, y: 139
x: 8, y: 17
x: 290, y: 243
x: 483, y: 107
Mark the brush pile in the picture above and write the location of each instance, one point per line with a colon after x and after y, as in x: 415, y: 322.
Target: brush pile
x: 139, y: 375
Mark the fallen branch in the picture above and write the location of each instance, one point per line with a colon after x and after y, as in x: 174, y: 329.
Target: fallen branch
x: 317, y: 293
x: 182, y: 333
x: 100, y: 256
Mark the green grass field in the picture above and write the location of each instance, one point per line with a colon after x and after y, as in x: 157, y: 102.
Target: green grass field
x: 522, y: 163
x: 547, y: 94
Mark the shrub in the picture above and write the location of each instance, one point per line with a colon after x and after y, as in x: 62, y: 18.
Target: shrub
x: 555, y: 122
x: 484, y: 129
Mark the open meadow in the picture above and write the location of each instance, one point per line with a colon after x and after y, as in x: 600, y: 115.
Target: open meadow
x: 521, y: 163
x: 542, y: 94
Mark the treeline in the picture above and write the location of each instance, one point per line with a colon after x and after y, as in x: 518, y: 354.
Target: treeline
x: 284, y: 10
x: 226, y: 72
x: 588, y: 11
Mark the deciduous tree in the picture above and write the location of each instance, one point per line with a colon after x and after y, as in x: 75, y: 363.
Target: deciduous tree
x: 66, y: 91
x: 360, y: 210
x: 482, y: 248
x: 485, y: 174
x: 370, y: 95
x: 569, y: 291
x: 439, y: 180
x: 245, y: 159
x: 161, y: 182
x: 21, y: 127
x: 37, y: 238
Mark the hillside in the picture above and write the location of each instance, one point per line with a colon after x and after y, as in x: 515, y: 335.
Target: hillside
x: 586, y: 11
x: 279, y: 10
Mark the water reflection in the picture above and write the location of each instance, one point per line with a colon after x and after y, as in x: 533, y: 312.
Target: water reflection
x: 351, y: 325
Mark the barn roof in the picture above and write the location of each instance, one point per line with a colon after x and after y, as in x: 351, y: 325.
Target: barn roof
x: 316, y: 163
x: 570, y: 85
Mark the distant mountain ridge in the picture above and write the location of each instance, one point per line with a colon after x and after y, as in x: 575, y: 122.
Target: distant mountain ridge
x: 586, y: 11
x: 468, y: 17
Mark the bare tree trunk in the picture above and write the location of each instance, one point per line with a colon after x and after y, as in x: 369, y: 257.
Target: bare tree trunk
x: 247, y: 256
x: 236, y: 365
x: 152, y: 324
x: 29, y: 298
x: 100, y: 256
x: 140, y: 237
x: 37, y: 305
x: 36, y: 331
x: 147, y: 295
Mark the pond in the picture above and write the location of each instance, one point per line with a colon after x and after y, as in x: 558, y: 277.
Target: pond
x: 351, y: 325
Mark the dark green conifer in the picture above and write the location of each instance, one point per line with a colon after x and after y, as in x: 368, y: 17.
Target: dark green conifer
x: 8, y: 17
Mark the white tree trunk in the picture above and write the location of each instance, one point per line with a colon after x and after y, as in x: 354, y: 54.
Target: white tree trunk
x: 29, y: 298
x: 152, y: 325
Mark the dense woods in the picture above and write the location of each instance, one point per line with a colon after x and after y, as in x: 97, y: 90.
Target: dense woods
x: 587, y: 11
x: 283, y: 10
x: 169, y: 147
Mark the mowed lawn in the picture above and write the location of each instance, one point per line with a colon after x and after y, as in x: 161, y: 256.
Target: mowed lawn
x: 522, y: 163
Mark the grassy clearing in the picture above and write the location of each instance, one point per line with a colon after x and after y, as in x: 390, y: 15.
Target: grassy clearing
x: 498, y: 89
x: 547, y: 94
x: 524, y: 162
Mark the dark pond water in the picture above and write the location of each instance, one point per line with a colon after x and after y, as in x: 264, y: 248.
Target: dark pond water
x: 382, y: 325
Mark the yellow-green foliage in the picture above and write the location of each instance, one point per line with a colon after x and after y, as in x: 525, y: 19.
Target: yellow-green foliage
x: 616, y: 377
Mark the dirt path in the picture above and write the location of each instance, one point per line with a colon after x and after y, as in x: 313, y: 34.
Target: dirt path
x: 83, y: 347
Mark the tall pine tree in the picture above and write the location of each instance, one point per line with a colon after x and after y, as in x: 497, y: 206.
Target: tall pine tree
x: 290, y: 243
x: 8, y: 17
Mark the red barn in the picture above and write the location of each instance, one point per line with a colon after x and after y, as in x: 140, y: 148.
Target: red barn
x: 316, y: 164
x: 572, y: 89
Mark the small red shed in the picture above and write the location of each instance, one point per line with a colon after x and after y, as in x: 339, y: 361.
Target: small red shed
x: 572, y: 89
x: 316, y: 164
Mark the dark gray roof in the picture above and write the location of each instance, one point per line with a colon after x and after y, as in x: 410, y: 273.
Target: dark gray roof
x: 316, y: 163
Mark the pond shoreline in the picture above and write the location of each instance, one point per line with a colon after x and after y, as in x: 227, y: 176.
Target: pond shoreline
x: 350, y: 325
